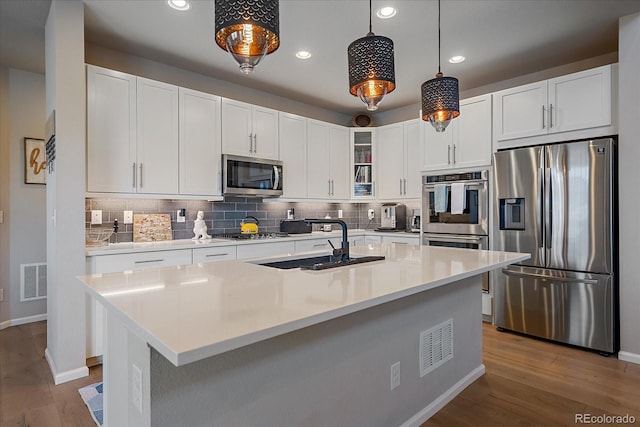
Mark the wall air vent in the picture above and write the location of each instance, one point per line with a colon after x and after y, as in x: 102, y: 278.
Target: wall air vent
x: 33, y: 281
x: 436, y: 346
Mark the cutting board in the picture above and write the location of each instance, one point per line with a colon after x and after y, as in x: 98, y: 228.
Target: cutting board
x: 151, y: 227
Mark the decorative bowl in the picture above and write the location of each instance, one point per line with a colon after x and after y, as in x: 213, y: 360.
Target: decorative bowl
x: 97, y: 236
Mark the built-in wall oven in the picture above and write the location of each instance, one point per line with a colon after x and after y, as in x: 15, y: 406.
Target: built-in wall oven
x: 455, y: 212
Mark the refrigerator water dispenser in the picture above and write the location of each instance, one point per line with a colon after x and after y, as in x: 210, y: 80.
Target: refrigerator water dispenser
x: 512, y: 214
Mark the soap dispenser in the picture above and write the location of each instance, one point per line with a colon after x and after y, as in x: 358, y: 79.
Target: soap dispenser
x: 326, y: 227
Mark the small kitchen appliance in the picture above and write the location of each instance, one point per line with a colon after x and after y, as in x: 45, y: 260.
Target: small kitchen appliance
x: 393, y: 217
x: 291, y: 226
x: 414, y: 221
x: 249, y: 225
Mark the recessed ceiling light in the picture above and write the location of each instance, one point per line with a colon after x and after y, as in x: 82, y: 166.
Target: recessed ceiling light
x: 456, y: 59
x: 179, y: 4
x: 303, y: 54
x: 386, y: 12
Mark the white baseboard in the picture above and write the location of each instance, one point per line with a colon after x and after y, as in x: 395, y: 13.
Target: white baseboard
x: 627, y: 356
x: 23, y: 320
x: 63, y: 377
x: 446, y: 397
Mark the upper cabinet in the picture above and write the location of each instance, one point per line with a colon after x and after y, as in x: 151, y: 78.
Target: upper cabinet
x: 398, y: 160
x: 362, y: 162
x: 568, y: 103
x: 132, y: 134
x: 466, y: 143
x: 327, y: 161
x: 199, y: 154
x: 249, y: 130
x: 293, y: 153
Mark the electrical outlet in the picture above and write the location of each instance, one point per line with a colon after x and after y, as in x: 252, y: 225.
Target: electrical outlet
x: 1, y: 294
x: 371, y: 214
x: 128, y: 217
x: 339, y: 213
x: 96, y: 217
x: 395, y: 375
x: 136, y: 387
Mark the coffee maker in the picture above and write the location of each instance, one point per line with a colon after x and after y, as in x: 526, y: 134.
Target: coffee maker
x: 393, y: 217
x: 414, y: 221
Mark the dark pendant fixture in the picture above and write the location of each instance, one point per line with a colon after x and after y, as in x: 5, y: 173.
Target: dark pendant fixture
x: 440, y: 98
x: 371, y: 68
x: 248, y: 29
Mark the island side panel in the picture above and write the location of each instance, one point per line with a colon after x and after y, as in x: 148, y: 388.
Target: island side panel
x: 333, y: 373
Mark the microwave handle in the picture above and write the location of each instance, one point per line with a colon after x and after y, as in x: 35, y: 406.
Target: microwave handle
x: 276, y: 181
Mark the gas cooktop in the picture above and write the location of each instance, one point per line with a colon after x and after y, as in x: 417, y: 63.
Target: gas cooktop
x: 247, y: 236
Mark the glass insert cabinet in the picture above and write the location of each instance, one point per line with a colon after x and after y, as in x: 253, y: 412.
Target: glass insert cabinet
x: 363, y: 165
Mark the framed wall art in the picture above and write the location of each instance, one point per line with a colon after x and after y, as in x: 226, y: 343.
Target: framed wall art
x: 35, y: 163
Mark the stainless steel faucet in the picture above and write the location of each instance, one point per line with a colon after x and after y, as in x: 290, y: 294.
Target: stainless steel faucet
x: 343, y: 252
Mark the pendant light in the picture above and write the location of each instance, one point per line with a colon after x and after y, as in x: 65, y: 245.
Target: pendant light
x: 440, y: 98
x: 248, y: 29
x: 371, y: 68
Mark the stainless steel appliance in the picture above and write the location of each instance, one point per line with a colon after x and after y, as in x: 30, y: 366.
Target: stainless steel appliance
x: 414, y: 221
x: 557, y: 202
x: 393, y: 217
x: 474, y: 218
x: 247, y: 176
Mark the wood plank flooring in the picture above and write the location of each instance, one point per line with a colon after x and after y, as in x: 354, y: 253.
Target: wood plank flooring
x: 528, y: 383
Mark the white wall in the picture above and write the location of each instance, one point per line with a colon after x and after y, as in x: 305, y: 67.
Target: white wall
x: 629, y: 177
x: 23, y: 232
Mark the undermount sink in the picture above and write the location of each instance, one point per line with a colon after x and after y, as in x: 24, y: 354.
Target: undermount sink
x: 322, y: 262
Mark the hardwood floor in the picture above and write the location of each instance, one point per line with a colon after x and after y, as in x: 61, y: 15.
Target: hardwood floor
x: 528, y: 383
x: 28, y: 396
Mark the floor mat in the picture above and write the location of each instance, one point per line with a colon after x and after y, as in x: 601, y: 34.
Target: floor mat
x: 92, y: 396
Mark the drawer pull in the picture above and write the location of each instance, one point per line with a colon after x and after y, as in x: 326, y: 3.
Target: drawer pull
x: 212, y: 255
x: 148, y: 261
x: 319, y: 245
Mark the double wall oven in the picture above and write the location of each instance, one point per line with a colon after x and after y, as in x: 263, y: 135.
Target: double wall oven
x: 455, y: 211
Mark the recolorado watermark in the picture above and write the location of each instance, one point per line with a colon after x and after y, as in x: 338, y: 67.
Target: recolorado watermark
x: 604, y: 419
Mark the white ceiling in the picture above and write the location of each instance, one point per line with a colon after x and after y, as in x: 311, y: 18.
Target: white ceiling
x: 501, y: 39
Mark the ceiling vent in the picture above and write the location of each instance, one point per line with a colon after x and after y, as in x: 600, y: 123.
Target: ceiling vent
x: 362, y: 120
x: 436, y: 346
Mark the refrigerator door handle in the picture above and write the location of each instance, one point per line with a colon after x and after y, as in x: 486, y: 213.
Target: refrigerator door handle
x: 540, y: 208
x: 548, y: 203
x: 551, y: 278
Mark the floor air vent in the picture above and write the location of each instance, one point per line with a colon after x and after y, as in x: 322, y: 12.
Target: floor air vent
x: 33, y: 281
x: 436, y: 346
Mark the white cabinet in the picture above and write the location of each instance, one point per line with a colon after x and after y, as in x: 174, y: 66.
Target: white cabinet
x: 573, y: 102
x: 214, y: 253
x: 199, y: 144
x: 157, y: 137
x: 111, y: 131
x: 317, y: 244
x: 365, y: 240
x: 466, y: 143
x: 364, y: 163
x: 403, y: 240
x: 249, y: 130
x: 132, y: 134
x: 293, y: 153
x: 264, y: 249
x: 398, y: 160
x: 327, y: 161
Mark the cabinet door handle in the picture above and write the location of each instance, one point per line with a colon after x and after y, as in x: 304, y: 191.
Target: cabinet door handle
x: 550, y: 116
x: 319, y: 245
x: 543, y: 111
x: 148, y: 261
x: 140, y: 175
x: 134, y: 175
x: 255, y: 142
x: 214, y: 255
x: 251, y: 143
x: 332, y: 187
x: 329, y: 187
x: 448, y: 154
x: 404, y: 181
x: 401, y: 186
x: 454, y: 154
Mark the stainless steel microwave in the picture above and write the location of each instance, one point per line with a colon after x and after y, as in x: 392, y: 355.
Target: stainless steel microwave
x: 248, y: 176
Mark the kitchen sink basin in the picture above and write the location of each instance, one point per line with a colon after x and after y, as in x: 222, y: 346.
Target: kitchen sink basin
x: 322, y: 262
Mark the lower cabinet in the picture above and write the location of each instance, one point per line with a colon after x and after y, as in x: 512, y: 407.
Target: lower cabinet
x: 365, y: 240
x: 215, y: 253
x: 265, y: 249
x: 317, y: 244
x: 405, y: 240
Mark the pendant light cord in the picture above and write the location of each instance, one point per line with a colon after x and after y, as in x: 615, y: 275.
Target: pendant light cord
x: 439, y: 53
x: 370, y: 32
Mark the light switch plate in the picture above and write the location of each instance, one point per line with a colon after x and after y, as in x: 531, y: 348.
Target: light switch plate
x: 128, y: 217
x: 179, y: 216
x: 96, y: 217
x: 1, y: 217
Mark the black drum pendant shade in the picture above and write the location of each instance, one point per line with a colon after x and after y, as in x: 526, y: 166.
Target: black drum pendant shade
x: 440, y: 96
x: 371, y: 68
x: 248, y: 29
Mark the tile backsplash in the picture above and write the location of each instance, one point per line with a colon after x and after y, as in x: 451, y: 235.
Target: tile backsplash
x: 225, y: 217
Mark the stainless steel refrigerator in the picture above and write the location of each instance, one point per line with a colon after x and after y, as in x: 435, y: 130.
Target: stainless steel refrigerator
x: 557, y: 202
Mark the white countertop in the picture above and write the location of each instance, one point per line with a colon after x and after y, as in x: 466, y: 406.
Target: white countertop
x: 129, y: 247
x: 192, y: 312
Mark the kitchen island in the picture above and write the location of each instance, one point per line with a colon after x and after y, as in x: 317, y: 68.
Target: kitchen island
x: 238, y: 343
